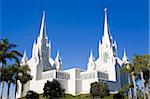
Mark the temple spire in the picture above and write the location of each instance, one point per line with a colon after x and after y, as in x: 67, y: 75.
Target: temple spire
x: 91, y: 63
x: 106, y: 28
x: 24, y: 58
x: 91, y: 58
x: 125, y: 59
x: 43, y: 28
x: 115, y: 50
x: 58, y: 61
x: 58, y: 55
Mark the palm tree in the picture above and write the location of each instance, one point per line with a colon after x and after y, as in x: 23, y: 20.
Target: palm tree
x: 130, y: 69
x: 3, y: 79
x: 142, y: 64
x: 20, y: 73
x: 23, y: 76
x: 6, y: 52
x: 9, y: 74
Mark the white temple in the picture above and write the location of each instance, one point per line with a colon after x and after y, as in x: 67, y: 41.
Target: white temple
x: 75, y: 80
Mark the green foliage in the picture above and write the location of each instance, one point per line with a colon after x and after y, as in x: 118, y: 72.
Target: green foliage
x: 118, y: 96
x: 142, y: 63
x: 7, y: 52
x: 99, y: 89
x: 8, y: 73
x: 125, y: 89
x: 53, y: 89
x: 139, y: 68
x: 128, y: 68
x: 81, y: 96
x: 85, y: 96
x: 22, y: 74
x: 14, y: 72
x: 32, y: 95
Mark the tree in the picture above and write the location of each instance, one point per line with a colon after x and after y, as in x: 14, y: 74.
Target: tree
x: 125, y: 89
x: 99, y: 89
x: 118, y: 96
x: 13, y: 73
x: 139, y: 68
x: 7, y: 52
x: 23, y: 76
x: 53, y: 89
x: 9, y: 74
x: 32, y: 95
x: 130, y: 69
x: 142, y: 65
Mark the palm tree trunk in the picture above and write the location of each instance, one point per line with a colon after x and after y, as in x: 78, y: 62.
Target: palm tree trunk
x: 22, y: 87
x: 8, y: 89
x: 134, y: 84
x: 143, y: 86
x: 129, y: 92
x: 16, y: 88
x: 2, y: 90
x: 15, y: 92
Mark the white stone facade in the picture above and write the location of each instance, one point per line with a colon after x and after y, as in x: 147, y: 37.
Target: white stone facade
x: 75, y: 81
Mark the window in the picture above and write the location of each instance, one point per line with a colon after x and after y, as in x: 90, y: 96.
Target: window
x: 48, y: 75
x: 62, y: 75
x: 102, y: 75
x: 88, y: 76
x: 106, y: 45
x: 105, y: 57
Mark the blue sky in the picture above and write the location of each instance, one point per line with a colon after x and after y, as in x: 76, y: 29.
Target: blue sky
x: 75, y: 26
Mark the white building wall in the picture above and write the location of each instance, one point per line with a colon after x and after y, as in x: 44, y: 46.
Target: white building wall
x: 112, y: 72
x: 74, y: 80
x: 86, y: 85
x: 72, y: 87
x: 64, y: 84
x: 18, y: 94
x: 38, y: 85
x: 33, y: 67
x: 74, y: 83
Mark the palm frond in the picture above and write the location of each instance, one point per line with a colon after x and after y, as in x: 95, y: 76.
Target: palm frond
x: 11, y: 46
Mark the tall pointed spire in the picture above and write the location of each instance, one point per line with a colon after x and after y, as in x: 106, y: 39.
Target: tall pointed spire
x: 91, y: 63
x: 106, y: 31
x: 57, y: 56
x: 42, y: 39
x: 58, y: 61
x: 125, y: 59
x: 24, y: 58
x: 124, y: 54
x: 43, y: 27
x: 115, y: 49
x: 91, y: 58
x: 43, y: 48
